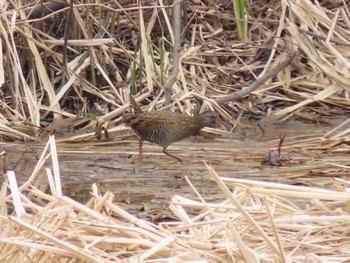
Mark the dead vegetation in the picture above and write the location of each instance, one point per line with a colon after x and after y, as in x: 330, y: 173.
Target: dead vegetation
x: 256, y: 221
x: 71, y: 67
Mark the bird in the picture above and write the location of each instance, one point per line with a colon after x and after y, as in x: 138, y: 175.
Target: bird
x: 166, y: 127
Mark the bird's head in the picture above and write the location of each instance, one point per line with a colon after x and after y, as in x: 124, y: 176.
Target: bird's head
x: 211, y: 117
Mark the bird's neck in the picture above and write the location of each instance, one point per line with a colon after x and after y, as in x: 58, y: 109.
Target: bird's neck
x: 200, y: 121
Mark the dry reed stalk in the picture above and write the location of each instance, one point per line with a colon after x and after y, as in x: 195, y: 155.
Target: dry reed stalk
x: 285, y: 224
x: 255, y: 221
x: 102, y: 44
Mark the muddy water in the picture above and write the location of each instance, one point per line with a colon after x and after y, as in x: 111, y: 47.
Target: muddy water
x: 113, y: 165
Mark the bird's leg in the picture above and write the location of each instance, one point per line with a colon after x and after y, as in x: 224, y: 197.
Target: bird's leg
x: 172, y: 155
x: 140, y: 150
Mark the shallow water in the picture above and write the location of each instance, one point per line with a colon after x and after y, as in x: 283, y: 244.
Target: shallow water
x: 113, y: 165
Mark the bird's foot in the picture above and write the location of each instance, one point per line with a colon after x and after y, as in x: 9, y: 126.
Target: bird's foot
x: 172, y: 155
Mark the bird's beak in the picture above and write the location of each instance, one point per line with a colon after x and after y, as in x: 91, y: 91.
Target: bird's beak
x: 222, y: 124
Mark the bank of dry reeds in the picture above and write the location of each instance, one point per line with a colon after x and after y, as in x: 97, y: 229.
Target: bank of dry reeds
x: 256, y: 221
x: 72, y: 66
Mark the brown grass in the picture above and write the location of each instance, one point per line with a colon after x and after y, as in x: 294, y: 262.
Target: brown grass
x: 108, y: 47
x: 58, y: 74
x: 256, y: 221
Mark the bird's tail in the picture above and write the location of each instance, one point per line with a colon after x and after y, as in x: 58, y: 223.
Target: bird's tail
x: 134, y: 104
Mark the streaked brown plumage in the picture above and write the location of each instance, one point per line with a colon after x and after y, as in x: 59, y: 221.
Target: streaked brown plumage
x: 165, y: 127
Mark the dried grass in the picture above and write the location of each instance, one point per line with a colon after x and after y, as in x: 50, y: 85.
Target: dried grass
x: 109, y: 44
x: 257, y: 221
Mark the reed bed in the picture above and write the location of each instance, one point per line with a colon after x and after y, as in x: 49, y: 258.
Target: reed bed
x: 71, y: 66
x: 256, y: 221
